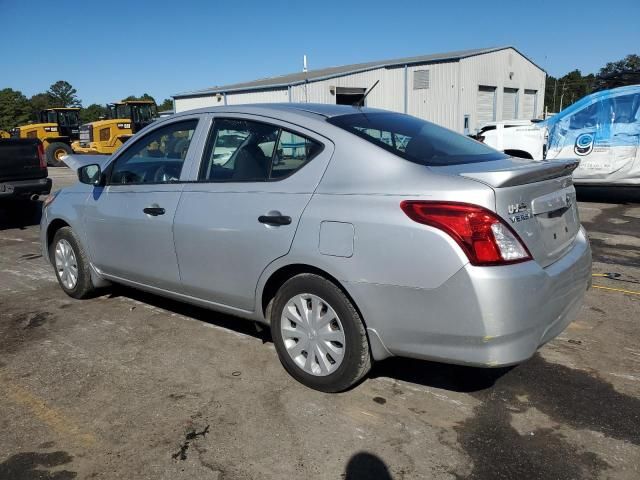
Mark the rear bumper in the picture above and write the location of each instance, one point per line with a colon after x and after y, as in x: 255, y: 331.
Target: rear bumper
x: 482, y: 316
x: 25, y: 188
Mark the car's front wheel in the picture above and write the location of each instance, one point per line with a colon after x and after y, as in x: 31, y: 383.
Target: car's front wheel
x: 71, y: 264
x: 319, y: 335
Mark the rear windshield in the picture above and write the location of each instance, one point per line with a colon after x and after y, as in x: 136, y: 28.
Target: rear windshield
x: 416, y: 140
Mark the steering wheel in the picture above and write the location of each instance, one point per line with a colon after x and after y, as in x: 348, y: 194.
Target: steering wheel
x: 166, y: 174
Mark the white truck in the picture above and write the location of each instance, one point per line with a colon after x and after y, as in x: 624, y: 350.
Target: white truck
x: 601, y: 129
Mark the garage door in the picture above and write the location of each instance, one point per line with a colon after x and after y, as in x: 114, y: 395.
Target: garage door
x: 510, y: 104
x: 529, y: 104
x: 486, y: 106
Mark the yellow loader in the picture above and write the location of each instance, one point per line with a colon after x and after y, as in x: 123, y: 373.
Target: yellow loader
x: 56, y: 128
x: 103, y: 137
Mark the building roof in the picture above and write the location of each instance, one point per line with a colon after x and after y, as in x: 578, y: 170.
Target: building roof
x: 331, y: 72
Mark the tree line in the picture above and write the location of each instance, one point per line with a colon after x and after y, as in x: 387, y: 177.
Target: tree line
x: 563, y: 91
x: 17, y: 109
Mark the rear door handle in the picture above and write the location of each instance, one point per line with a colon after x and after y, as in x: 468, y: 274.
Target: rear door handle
x: 154, y: 211
x: 275, y: 220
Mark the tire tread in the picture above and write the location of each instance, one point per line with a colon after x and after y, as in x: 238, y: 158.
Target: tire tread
x: 353, y: 374
x: 84, y: 288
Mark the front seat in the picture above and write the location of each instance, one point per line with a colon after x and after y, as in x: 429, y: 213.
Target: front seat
x: 250, y: 164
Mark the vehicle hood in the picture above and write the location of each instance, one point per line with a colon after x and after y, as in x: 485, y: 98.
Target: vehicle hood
x: 74, y: 162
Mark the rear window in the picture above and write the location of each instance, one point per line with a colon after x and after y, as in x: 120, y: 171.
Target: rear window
x: 416, y: 140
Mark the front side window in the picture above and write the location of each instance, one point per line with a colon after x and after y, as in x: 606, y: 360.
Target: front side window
x: 51, y: 117
x: 157, y: 157
x: 626, y: 109
x: 416, y: 140
x: 143, y: 113
x: 248, y: 151
x: 122, y: 111
x: 585, y: 118
x: 68, y: 118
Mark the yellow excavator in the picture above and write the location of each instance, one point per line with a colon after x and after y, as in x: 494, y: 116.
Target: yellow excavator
x: 125, y: 118
x: 56, y: 128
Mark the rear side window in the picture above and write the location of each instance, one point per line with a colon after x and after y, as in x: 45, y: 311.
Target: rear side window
x: 416, y: 140
x: 292, y: 152
x: 248, y: 151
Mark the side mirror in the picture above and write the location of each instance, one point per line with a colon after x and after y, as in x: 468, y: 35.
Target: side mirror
x: 90, y: 174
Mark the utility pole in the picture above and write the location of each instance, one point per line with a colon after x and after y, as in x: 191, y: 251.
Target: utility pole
x: 555, y: 86
x: 561, y: 96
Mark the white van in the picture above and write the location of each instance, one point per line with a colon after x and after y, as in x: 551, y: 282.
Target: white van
x: 602, y: 130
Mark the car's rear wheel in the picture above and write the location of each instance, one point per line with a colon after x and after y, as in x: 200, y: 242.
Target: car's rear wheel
x: 319, y: 335
x: 71, y: 264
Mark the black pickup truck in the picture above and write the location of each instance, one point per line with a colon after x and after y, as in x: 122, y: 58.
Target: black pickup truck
x: 23, y: 169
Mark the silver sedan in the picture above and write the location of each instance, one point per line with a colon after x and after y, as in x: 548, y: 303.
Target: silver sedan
x: 355, y: 234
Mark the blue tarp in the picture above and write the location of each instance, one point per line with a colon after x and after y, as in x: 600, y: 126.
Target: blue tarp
x: 603, y: 131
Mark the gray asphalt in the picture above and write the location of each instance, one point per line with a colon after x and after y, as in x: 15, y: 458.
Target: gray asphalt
x: 130, y: 385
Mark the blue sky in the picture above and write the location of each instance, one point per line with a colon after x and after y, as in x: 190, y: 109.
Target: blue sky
x: 109, y: 50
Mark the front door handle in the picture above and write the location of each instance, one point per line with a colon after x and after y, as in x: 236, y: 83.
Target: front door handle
x: 154, y: 211
x: 274, y: 220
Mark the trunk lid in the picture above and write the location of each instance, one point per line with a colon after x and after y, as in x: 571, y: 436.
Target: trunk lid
x: 19, y: 159
x: 535, y: 198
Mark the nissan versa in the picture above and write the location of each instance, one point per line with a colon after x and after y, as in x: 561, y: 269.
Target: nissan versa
x: 354, y: 233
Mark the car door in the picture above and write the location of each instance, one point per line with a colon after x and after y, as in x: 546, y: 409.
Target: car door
x: 129, y: 220
x: 255, y: 179
x: 625, y: 133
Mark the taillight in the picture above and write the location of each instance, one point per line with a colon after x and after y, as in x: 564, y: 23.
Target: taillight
x: 482, y: 235
x: 41, y: 157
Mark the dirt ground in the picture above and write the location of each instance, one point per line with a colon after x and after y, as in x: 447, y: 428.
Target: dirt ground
x: 131, y: 385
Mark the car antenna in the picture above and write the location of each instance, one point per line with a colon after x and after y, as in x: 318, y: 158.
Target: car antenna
x: 360, y: 103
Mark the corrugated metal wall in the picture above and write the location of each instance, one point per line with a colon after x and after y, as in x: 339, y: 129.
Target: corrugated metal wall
x: 265, y: 96
x: 184, y: 104
x: 501, y: 69
x: 388, y: 94
x: 438, y: 103
x: 451, y: 94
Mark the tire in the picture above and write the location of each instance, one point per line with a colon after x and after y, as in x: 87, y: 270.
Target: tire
x: 55, y: 151
x: 349, y: 366
x: 83, y: 285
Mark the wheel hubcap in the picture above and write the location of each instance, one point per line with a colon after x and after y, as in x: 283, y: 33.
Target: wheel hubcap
x: 59, y: 153
x: 66, y: 264
x: 312, y: 334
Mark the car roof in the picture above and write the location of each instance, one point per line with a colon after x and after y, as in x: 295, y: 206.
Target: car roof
x: 273, y: 109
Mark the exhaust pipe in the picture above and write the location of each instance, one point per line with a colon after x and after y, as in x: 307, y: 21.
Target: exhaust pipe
x: 35, y: 197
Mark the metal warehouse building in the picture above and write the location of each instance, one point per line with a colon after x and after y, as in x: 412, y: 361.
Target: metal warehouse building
x: 460, y: 90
